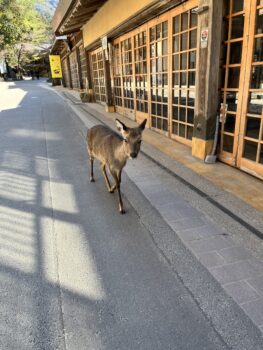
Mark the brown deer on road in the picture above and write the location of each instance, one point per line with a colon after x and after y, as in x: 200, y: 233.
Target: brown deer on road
x: 113, y: 150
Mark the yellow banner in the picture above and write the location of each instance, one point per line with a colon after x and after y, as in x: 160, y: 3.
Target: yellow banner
x: 55, y: 66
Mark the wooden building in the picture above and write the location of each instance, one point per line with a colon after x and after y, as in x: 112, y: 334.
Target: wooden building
x: 183, y: 65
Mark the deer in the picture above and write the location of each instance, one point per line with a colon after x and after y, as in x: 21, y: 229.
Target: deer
x: 112, y: 151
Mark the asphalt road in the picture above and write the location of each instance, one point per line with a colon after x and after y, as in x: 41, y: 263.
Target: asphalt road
x: 74, y: 273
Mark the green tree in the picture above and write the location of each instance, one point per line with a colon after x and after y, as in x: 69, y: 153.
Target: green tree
x: 24, y: 30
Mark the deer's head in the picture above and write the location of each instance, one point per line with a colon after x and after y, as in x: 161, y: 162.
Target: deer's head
x: 132, y: 138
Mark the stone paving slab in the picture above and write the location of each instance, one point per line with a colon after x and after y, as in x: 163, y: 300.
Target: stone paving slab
x: 241, y: 291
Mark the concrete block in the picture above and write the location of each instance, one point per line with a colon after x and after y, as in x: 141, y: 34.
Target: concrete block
x: 211, y: 259
x: 234, y: 254
x: 235, y: 272
x: 241, y: 292
x: 184, y: 224
x: 254, y: 310
x: 257, y: 283
x: 210, y: 244
x: 195, y: 233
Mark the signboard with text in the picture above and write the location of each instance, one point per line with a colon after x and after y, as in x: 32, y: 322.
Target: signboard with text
x: 55, y: 66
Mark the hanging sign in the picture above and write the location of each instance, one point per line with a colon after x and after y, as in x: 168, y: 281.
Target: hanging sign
x: 55, y: 66
x: 204, y: 37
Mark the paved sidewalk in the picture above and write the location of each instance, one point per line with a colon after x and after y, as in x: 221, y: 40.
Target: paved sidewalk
x: 223, y: 232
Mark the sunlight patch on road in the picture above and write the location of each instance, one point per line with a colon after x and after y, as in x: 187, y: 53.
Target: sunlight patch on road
x: 13, y: 98
x: 17, y: 187
x: 17, y: 239
x: 76, y: 266
x: 35, y: 135
x: 15, y: 160
x: 64, y: 201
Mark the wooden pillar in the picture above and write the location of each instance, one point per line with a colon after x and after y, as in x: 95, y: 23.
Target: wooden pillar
x: 207, y: 75
x: 69, y: 73
x: 107, y: 73
x: 79, y: 69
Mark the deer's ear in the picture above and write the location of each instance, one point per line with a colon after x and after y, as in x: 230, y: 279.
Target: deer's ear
x: 142, y: 125
x: 120, y: 126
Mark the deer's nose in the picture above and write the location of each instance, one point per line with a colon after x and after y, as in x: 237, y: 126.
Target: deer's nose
x: 133, y: 155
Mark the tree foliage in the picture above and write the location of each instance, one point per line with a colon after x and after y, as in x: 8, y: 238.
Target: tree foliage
x: 25, y: 27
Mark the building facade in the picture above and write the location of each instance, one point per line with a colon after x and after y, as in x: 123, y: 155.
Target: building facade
x: 182, y: 65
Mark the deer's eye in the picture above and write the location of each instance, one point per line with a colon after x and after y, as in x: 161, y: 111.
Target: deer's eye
x: 140, y: 142
x: 125, y: 140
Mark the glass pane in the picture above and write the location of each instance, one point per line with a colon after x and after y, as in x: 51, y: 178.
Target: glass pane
x: 175, y: 128
x: 165, y: 64
x: 238, y: 5
x: 255, y: 103
x: 159, y: 48
x: 250, y: 150
x: 228, y: 143
x: 191, y: 98
x: 165, y: 29
x: 182, y: 130
x: 176, y: 79
x: 165, y: 111
x: 233, y: 77
x: 158, y: 31
x: 230, y: 121
x: 235, y: 52
x: 258, y: 50
x: 159, y: 123
x: 237, y: 27
x: 184, y: 41
x: 183, y: 97
x: 182, y: 114
x: 176, y: 44
x: 153, y: 50
x: 152, y: 34
x: 191, y: 79
x: 165, y: 47
x: 259, y: 21
x: 231, y: 101
x: 165, y: 125
x: 175, y: 113
x: 154, y: 122
x: 189, y: 133
x: 192, y: 59
x: 190, y: 115
x: 176, y: 23
x: 257, y: 77
x: 176, y: 96
x: 175, y: 62
x: 184, y: 61
x: 184, y: 17
x: 154, y: 108
x: 193, y: 19
x: 193, y: 40
x: 252, y: 128
x: 182, y: 79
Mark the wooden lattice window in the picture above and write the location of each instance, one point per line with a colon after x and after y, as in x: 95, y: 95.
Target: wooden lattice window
x: 184, y: 43
x: 127, y: 73
x: 159, y: 75
x: 98, y: 76
x: 140, y: 59
x: 117, y: 75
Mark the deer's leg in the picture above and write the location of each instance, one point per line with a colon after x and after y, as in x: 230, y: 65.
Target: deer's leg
x: 91, y: 164
x: 108, y: 184
x: 91, y: 170
x: 117, y: 178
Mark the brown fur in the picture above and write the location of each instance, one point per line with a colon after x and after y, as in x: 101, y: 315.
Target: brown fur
x: 113, y: 151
